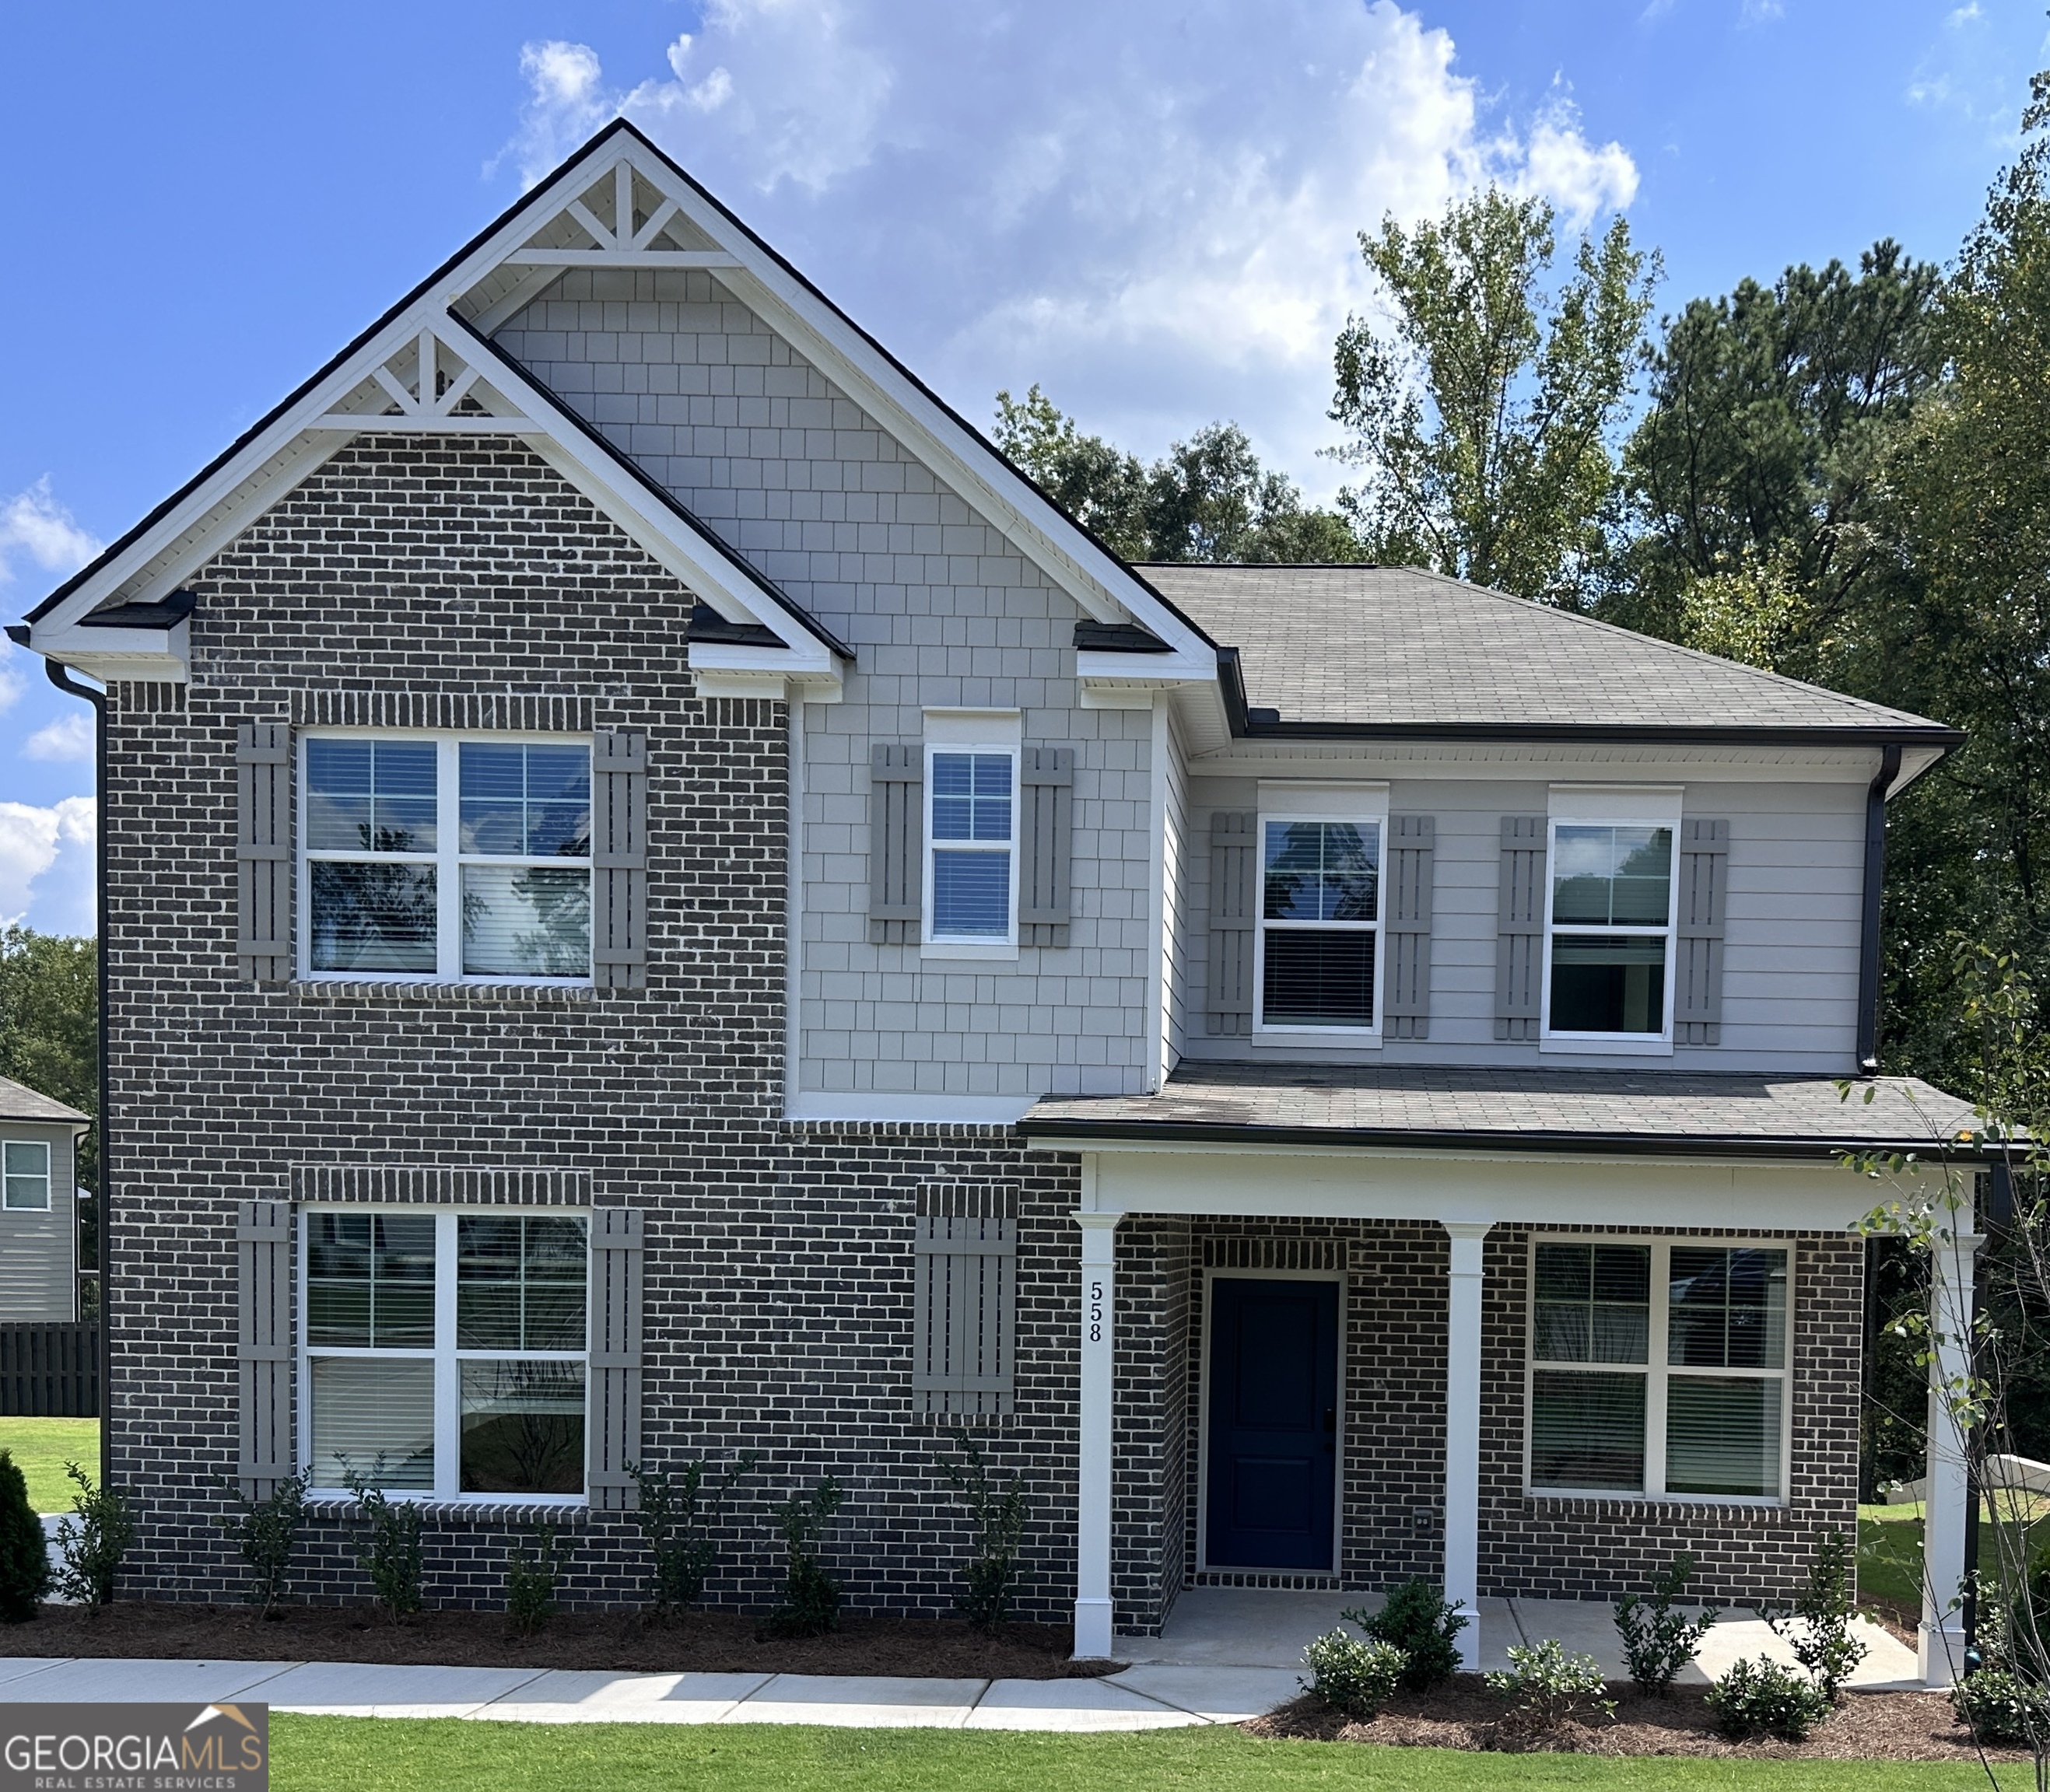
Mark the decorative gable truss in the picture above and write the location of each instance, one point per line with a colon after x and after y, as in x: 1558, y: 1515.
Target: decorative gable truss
x: 429, y: 367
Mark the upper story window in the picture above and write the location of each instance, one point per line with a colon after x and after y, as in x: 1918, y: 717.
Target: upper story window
x: 1609, y: 929
x: 1319, y: 923
x: 444, y: 1352
x: 1659, y: 1368
x: 26, y: 1180
x: 971, y: 855
x: 443, y: 858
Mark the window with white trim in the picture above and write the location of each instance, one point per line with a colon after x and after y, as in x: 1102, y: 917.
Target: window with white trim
x: 25, y: 1187
x: 1609, y: 929
x: 446, y: 859
x: 1319, y: 939
x: 1659, y: 1368
x: 972, y: 845
x: 444, y: 1353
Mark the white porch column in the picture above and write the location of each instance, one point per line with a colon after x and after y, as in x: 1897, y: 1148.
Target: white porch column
x: 1463, y: 1433
x: 1940, y: 1644
x: 1093, y: 1603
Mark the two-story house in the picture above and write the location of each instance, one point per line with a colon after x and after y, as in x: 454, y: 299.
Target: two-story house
x: 662, y: 900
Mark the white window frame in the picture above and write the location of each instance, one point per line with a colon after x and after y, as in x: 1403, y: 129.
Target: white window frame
x: 971, y: 731
x: 1658, y: 1373
x: 1363, y: 807
x: 446, y: 1358
x: 7, y: 1205
x: 448, y: 858
x: 1650, y: 1044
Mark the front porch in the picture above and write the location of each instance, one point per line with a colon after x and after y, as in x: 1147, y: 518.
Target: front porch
x: 1433, y: 1244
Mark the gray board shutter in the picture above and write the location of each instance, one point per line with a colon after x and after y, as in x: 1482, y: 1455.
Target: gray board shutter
x: 1698, y: 994
x: 618, y: 1237
x: 963, y: 1302
x: 264, y: 1346
x: 1519, y: 943
x: 1405, y: 1005
x: 263, y: 852
x: 896, y: 843
x: 1046, y: 793
x: 619, y: 859
x: 1234, y: 843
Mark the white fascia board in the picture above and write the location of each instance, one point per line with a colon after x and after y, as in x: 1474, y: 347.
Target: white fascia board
x: 112, y: 655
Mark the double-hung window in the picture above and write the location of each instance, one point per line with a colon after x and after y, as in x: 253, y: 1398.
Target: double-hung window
x: 1609, y: 930
x: 1318, y: 946
x: 1659, y: 1368
x: 443, y: 1352
x: 972, y: 846
x: 25, y: 1175
x: 438, y: 859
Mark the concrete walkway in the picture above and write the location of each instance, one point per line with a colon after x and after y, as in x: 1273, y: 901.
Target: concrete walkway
x: 1227, y: 1655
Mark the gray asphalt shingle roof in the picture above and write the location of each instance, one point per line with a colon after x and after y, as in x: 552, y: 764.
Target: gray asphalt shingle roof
x: 1384, y: 645
x: 1709, y: 1113
x: 19, y: 1102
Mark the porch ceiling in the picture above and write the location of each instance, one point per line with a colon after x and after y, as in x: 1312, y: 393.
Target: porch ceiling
x: 1629, y: 1112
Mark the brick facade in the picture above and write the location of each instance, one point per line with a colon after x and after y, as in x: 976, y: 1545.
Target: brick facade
x: 465, y: 585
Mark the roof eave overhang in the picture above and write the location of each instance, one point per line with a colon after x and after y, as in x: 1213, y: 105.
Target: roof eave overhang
x: 1062, y: 1135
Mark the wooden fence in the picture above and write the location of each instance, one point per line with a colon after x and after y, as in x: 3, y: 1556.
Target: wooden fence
x: 49, y: 1371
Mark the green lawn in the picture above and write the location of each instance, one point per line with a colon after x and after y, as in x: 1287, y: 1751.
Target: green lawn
x: 42, y: 1446
x: 401, y: 1755
x: 1890, y: 1551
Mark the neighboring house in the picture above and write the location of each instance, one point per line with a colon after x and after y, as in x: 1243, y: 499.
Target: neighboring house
x: 664, y: 900
x: 38, y: 1206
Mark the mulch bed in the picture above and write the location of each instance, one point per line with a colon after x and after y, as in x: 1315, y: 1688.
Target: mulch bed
x: 1463, y: 1714
x: 694, y: 1642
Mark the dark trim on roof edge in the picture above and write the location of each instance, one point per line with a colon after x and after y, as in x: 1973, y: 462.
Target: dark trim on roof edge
x: 166, y: 614
x: 1600, y: 1144
x: 1850, y: 734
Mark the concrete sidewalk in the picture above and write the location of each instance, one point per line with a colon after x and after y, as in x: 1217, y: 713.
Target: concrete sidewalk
x: 1226, y: 1654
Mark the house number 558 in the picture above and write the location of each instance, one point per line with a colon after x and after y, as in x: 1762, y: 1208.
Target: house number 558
x: 1095, y: 1312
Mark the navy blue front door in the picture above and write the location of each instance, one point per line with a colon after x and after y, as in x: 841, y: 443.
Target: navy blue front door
x: 1273, y: 1423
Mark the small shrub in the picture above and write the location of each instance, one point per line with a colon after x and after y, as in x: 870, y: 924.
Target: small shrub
x: 811, y: 1596
x: 93, y: 1540
x: 676, y: 1517
x: 391, y: 1553
x: 1658, y: 1641
x: 1760, y: 1697
x: 1355, y: 1677
x: 1417, y: 1619
x: 1818, y: 1627
x: 531, y: 1577
x: 2004, y: 1710
x: 998, y: 1516
x: 1545, y: 1686
x: 24, y: 1555
x: 264, y: 1531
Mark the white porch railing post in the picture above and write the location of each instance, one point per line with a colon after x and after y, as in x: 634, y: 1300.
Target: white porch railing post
x: 1093, y: 1611
x: 1463, y: 1432
x: 1940, y: 1637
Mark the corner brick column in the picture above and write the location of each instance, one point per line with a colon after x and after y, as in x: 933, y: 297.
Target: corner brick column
x: 1462, y: 1431
x: 1093, y: 1610
x: 1940, y: 1637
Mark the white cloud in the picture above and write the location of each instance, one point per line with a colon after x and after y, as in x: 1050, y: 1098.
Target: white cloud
x: 52, y: 848
x: 1152, y: 207
x: 1761, y: 12
x: 33, y: 523
x: 68, y: 737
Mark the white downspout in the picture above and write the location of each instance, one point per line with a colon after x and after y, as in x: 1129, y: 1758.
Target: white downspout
x: 1463, y: 1336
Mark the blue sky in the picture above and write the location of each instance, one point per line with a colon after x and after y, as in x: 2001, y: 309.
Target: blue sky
x: 1150, y: 207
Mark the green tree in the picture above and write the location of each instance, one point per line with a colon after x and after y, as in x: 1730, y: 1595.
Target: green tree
x: 1206, y: 499
x: 49, y: 1024
x: 1757, y: 475
x: 1482, y: 418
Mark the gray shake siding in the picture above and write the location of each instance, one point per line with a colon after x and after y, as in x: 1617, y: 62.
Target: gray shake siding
x: 943, y: 613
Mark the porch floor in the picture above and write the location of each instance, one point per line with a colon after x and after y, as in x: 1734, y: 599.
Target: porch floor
x: 1264, y: 1632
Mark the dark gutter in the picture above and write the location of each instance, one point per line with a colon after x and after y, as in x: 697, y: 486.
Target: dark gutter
x: 1893, y: 738
x: 1599, y: 1144
x: 1875, y: 878
x: 61, y: 676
